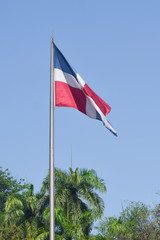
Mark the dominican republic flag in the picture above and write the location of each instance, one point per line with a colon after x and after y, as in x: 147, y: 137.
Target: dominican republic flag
x: 72, y: 91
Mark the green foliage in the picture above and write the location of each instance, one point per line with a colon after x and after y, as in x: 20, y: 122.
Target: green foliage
x: 77, y: 204
x: 9, y: 186
x: 156, y: 220
x: 12, y: 232
x: 13, y: 210
x: 25, y: 215
x: 137, y: 222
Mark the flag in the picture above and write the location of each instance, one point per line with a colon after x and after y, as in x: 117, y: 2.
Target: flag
x: 72, y: 91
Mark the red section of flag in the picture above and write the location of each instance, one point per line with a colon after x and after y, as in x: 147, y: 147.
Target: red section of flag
x: 104, y: 107
x: 67, y: 96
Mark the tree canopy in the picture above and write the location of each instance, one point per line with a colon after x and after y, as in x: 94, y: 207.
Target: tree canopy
x: 8, y: 186
x: 77, y: 206
x: 25, y: 215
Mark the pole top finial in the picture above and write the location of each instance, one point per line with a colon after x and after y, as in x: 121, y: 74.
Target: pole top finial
x: 52, y: 38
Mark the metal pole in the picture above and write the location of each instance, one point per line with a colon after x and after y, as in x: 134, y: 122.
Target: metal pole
x: 51, y: 150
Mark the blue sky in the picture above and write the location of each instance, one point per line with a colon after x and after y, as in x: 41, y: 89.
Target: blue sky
x: 115, y: 47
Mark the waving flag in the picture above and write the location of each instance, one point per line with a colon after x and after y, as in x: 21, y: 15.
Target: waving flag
x: 72, y: 91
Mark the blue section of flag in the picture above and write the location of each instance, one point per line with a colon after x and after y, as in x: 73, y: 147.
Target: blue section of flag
x: 61, y: 63
x: 98, y: 117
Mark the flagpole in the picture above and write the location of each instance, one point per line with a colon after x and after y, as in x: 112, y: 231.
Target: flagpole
x: 51, y: 148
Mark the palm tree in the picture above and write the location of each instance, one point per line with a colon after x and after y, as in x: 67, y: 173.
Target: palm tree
x: 77, y: 204
x: 21, y: 211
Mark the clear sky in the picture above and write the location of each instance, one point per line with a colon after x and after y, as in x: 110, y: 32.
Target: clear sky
x: 115, y: 47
